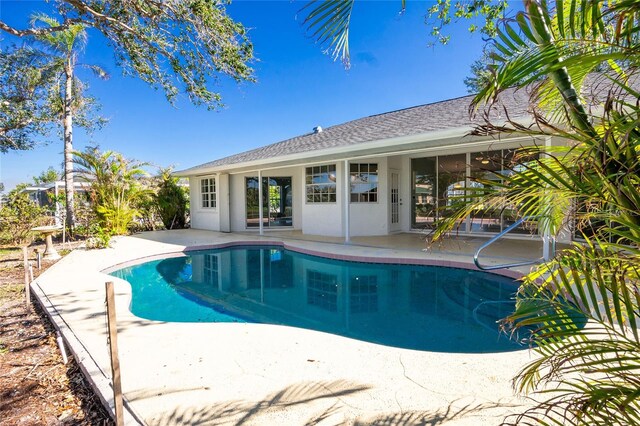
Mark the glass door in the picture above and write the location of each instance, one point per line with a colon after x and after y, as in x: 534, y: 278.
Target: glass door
x: 277, y: 202
x: 394, y: 192
x: 423, y: 192
x: 440, y: 185
x: 437, y: 187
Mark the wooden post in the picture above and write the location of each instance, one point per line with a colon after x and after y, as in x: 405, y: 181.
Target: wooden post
x: 115, y: 361
x: 27, y: 292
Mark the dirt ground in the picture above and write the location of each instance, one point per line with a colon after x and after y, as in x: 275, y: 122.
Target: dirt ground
x: 36, y: 388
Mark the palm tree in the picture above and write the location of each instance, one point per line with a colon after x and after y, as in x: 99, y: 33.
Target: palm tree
x: 115, y: 187
x: 328, y: 22
x: 66, y: 45
x: 582, y: 308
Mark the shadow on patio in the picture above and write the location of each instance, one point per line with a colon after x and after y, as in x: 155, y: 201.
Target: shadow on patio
x: 317, y: 402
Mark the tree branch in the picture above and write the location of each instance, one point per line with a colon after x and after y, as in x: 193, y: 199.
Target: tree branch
x: 82, y: 6
x: 38, y: 31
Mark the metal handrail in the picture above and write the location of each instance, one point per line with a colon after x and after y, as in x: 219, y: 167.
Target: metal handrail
x: 502, y: 234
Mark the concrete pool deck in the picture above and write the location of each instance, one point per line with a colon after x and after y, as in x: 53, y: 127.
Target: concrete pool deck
x: 239, y: 373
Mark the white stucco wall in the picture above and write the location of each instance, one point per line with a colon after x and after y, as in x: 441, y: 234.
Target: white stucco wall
x: 372, y: 218
x: 237, y: 208
x: 201, y: 218
x: 223, y: 203
x: 323, y: 218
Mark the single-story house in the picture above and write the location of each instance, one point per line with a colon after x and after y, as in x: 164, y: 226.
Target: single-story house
x: 378, y: 175
x: 48, y: 195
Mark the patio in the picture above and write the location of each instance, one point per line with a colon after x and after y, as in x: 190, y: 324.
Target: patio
x: 231, y: 373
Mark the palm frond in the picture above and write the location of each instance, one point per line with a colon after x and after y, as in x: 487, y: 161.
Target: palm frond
x: 97, y: 71
x: 327, y: 22
x: 580, y: 311
x: 64, y: 42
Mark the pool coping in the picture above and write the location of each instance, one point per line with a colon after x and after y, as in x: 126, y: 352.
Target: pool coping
x: 328, y: 255
x: 97, y: 379
x: 100, y: 380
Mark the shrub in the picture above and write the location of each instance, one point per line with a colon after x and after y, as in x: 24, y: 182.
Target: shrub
x: 172, y: 201
x: 18, y: 216
x: 115, y: 188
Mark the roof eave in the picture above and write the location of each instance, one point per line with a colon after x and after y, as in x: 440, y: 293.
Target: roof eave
x: 395, y: 143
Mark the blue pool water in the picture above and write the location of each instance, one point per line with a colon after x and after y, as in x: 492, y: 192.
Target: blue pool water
x: 415, y: 307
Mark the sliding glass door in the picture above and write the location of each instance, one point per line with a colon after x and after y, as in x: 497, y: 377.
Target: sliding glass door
x: 452, y: 174
x: 277, y: 202
x: 437, y: 181
x: 440, y: 183
x: 424, y: 190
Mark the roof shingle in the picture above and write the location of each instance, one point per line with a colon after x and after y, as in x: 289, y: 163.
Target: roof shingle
x: 448, y: 114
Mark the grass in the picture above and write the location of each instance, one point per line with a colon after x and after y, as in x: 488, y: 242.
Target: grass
x: 7, y: 251
x: 10, y: 291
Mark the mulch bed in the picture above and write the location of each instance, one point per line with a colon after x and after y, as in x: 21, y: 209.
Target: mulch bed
x: 36, y: 388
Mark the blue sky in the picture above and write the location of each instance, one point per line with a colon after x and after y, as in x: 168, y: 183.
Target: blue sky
x: 297, y: 88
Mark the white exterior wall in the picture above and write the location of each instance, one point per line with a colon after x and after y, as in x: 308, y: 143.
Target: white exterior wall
x: 372, y: 218
x: 223, y: 203
x: 208, y: 219
x: 328, y: 219
x: 237, y: 205
x: 323, y: 218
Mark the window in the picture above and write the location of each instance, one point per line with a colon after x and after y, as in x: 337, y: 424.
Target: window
x: 364, y: 183
x: 208, y: 193
x: 363, y: 294
x: 321, y: 184
x: 322, y: 290
x: 211, y: 269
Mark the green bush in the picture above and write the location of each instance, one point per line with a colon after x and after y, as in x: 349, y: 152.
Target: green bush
x: 18, y: 216
x: 115, y: 188
x: 172, y: 201
x: 148, y: 218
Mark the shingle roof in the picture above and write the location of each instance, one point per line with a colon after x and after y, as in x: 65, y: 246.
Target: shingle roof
x: 418, y: 120
x: 443, y: 115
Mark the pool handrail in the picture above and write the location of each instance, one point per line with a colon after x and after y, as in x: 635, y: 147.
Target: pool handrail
x: 511, y: 265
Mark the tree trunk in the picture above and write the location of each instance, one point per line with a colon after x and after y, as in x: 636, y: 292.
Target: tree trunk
x: 577, y: 113
x: 68, y: 146
x: 560, y: 77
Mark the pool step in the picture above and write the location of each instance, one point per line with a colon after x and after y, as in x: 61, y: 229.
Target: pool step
x: 484, y: 309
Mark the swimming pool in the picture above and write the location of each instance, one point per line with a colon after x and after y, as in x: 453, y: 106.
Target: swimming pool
x: 408, y: 306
